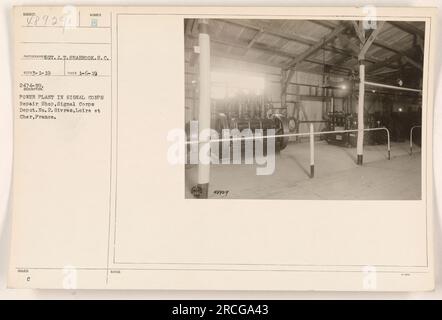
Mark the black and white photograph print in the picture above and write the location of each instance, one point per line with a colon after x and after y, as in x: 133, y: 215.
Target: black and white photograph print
x: 304, y: 109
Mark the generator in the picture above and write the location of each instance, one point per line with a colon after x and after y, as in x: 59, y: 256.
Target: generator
x: 245, y: 114
x: 340, y: 121
x: 249, y: 113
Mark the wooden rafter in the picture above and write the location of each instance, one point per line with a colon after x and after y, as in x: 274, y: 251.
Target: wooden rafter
x: 386, y: 63
x: 346, y: 42
x: 188, y: 26
x: 270, y: 50
x: 194, y: 26
x: 370, y: 40
x: 408, y: 27
x: 407, y: 57
x: 265, y: 29
x: 290, y: 37
x: 419, y: 42
x: 358, y: 30
x: 255, y: 38
x: 317, y: 46
x: 329, y: 37
x: 382, y: 44
x: 230, y: 56
x: 323, y: 23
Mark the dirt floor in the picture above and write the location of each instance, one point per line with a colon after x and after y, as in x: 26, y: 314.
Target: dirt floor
x: 336, y: 177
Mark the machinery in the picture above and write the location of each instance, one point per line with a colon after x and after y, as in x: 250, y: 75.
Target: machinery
x: 346, y: 119
x: 249, y: 112
x: 339, y: 121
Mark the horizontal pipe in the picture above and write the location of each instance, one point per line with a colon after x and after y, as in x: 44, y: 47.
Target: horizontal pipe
x: 296, y: 135
x: 312, y: 121
x: 284, y: 135
x: 374, y: 84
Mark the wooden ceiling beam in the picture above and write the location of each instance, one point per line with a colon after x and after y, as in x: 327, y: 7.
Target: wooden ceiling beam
x: 188, y: 26
x: 270, y: 50
x: 408, y: 28
x: 260, y: 27
x: 290, y: 37
x: 370, y: 40
x: 408, y: 58
x: 255, y: 38
x: 382, y: 44
x: 235, y: 57
x: 243, y: 59
x: 329, y: 37
x: 358, y: 30
x: 323, y: 23
x: 339, y: 29
x: 347, y: 43
x: 385, y: 63
x: 266, y: 63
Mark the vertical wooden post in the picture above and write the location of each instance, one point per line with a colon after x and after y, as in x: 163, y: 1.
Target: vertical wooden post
x: 312, y: 151
x: 365, y: 45
x: 361, y: 57
x: 204, y: 106
x: 360, y: 143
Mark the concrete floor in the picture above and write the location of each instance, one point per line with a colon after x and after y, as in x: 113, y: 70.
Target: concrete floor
x: 337, y: 176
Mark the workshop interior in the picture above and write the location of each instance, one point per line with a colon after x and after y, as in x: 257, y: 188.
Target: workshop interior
x: 342, y: 100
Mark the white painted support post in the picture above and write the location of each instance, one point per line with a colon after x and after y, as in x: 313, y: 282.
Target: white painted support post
x: 360, y: 142
x: 388, y: 144
x: 411, y: 138
x: 204, y: 109
x: 411, y: 141
x: 312, y: 151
